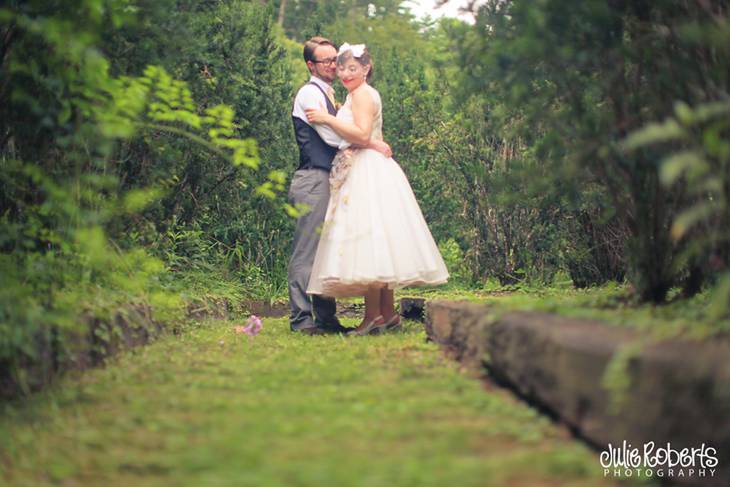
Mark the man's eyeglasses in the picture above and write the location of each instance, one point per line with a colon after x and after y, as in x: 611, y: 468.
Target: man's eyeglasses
x: 329, y: 60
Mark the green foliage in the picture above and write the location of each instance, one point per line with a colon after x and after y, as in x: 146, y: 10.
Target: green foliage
x: 454, y: 258
x: 303, y: 19
x: 697, y: 144
x: 564, y: 82
x: 80, y: 182
x: 59, y: 269
x: 229, y: 52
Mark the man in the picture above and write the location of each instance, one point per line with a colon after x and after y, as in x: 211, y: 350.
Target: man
x: 318, y: 144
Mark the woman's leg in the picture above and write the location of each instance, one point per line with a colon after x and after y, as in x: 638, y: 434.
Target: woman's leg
x: 372, y: 306
x: 387, y: 303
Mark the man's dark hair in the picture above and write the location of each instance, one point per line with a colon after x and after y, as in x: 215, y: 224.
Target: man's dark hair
x: 314, y: 43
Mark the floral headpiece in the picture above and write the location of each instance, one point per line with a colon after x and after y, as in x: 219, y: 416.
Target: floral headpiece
x: 357, y: 50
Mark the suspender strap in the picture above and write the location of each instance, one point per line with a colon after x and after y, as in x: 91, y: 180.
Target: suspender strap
x: 330, y: 107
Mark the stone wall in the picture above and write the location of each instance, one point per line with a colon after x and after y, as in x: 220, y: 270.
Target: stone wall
x: 91, y: 342
x: 674, y: 392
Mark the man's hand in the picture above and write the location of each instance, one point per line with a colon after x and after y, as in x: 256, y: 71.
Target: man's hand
x: 381, y: 146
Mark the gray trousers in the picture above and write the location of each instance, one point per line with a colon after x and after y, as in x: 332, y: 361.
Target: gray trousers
x: 309, y: 187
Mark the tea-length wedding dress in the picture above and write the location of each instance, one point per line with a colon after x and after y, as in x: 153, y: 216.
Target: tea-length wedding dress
x: 374, y: 232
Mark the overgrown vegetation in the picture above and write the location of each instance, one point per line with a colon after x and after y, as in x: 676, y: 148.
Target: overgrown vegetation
x: 145, y: 145
x: 98, y: 209
x: 564, y: 87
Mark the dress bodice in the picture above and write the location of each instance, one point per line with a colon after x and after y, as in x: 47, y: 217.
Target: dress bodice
x: 345, y: 112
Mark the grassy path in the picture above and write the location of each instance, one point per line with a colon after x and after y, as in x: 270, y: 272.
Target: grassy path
x: 212, y: 408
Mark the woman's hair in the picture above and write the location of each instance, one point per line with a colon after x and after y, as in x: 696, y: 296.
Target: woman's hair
x: 314, y: 43
x: 364, y: 60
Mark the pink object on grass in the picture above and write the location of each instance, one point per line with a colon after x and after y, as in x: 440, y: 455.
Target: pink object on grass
x: 252, y: 328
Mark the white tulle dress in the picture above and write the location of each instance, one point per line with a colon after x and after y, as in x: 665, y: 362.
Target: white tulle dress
x: 374, y: 232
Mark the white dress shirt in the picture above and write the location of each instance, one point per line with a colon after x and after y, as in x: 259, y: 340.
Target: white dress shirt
x: 311, y: 97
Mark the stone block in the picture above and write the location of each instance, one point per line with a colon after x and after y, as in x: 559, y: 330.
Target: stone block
x: 677, y: 392
x: 413, y: 308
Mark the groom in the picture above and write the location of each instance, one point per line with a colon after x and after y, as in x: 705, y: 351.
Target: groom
x: 318, y: 144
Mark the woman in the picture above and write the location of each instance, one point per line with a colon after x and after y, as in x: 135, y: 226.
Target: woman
x: 374, y: 238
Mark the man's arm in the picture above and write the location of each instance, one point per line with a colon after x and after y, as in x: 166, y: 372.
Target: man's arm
x: 310, y: 97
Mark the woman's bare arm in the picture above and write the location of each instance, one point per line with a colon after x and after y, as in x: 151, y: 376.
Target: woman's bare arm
x: 363, y: 112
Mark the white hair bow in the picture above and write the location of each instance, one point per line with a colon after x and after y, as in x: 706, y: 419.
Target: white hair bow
x: 357, y: 50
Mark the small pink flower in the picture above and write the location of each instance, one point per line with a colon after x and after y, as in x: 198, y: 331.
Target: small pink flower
x: 252, y: 328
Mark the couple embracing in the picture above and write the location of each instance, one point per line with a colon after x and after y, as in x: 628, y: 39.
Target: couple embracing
x: 364, y: 234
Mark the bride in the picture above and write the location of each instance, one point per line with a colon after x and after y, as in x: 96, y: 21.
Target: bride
x: 374, y: 238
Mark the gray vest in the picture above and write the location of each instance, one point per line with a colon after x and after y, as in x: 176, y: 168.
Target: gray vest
x: 313, y: 151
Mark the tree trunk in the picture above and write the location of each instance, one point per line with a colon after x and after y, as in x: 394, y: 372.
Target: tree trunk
x: 282, y: 11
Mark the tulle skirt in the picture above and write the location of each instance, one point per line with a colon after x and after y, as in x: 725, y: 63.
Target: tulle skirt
x: 374, y: 232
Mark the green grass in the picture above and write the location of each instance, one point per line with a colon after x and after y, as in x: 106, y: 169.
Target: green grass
x: 612, y: 304
x: 213, y: 408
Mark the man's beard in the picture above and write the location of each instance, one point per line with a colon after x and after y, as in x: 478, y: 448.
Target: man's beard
x: 327, y: 77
